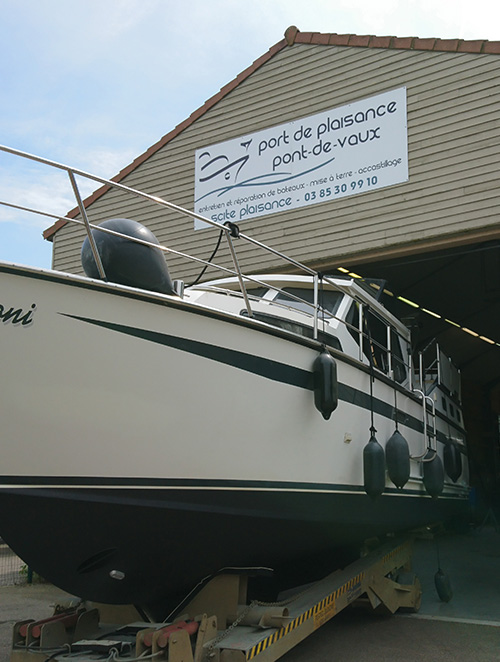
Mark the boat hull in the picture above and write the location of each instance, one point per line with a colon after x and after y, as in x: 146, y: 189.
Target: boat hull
x: 163, y: 542
x: 148, y: 442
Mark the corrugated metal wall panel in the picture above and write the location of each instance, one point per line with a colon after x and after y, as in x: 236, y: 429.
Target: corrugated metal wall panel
x: 454, y: 145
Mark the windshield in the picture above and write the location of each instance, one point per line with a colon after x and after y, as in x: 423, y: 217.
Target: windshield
x: 329, y: 300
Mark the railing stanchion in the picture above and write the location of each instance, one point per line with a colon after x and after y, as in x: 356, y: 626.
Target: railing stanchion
x: 315, y: 330
x: 361, y: 336
x: 232, y: 230
x: 83, y: 212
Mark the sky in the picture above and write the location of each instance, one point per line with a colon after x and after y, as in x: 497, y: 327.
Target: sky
x: 94, y: 83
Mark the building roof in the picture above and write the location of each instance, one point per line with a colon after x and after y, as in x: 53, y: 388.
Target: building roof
x: 294, y: 36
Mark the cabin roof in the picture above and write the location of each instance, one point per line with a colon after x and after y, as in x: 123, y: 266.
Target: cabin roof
x: 294, y: 36
x: 356, y: 289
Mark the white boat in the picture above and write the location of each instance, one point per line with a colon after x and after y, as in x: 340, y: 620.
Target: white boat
x: 151, y: 439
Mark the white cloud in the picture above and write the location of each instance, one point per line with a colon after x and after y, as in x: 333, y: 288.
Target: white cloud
x: 46, y: 189
x: 35, y: 188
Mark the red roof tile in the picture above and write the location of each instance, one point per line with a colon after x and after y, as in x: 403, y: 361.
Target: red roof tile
x: 400, y: 43
x: 446, y: 44
x: 303, y: 38
x: 323, y: 38
x: 471, y: 46
x: 340, y: 39
x: 294, y: 36
x: 492, y: 47
x: 290, y: 34
x: 380, y: 42
x: 424, y: 44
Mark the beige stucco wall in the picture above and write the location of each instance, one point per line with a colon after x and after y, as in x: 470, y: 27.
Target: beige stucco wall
x: 453, y: 191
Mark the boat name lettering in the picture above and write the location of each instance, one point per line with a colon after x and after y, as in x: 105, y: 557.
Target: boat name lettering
x: 17, y: 316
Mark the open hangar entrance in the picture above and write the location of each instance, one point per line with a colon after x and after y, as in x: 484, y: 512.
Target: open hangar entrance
x: 455, y: 294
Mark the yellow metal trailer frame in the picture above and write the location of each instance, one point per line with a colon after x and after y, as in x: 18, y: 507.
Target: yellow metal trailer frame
x: 227, y: 628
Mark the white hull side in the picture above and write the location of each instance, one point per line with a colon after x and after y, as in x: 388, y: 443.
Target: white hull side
x: 91, y: 401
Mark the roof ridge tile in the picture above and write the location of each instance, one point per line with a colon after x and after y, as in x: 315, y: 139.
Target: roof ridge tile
x: 426, y: 44
x: 294, y: 36
x: 467, y: 46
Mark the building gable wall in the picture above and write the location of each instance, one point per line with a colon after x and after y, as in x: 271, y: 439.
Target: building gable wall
x: 453, y: 141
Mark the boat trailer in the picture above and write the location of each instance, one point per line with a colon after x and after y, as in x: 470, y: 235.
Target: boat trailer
x: 218, y: 625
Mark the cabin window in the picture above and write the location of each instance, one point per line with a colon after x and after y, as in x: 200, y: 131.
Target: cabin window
x: 398, y: 362
x: 256, y: 291
x: 329, y: 300
x: 375, y: 341
x: 352, y: 321
x: 296, y: 327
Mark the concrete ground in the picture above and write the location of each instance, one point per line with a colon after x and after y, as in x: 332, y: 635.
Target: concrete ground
x: 463, y: 630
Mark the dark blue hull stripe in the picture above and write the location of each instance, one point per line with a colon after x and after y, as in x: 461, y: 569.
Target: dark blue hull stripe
x: 99, y: 483
x: 267, y: 368
x: 278, y: 372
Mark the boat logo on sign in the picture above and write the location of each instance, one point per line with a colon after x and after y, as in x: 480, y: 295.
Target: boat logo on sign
x: 17, y: 316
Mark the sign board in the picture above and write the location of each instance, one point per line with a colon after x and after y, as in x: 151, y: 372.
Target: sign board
x: 352, y: 149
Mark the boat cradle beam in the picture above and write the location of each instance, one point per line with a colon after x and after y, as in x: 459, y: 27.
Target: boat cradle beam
x: 218, y: 625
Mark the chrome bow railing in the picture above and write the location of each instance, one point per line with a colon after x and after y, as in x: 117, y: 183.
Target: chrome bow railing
x: 230, y: 231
